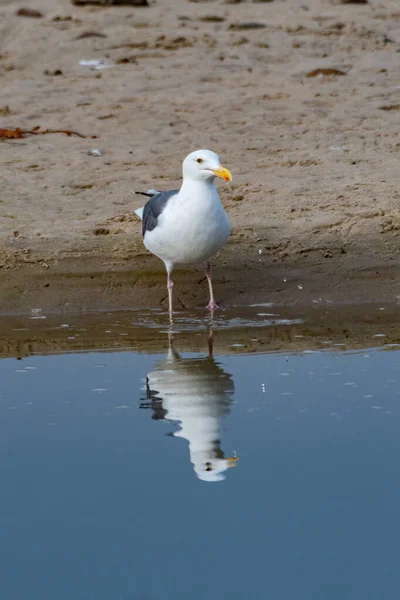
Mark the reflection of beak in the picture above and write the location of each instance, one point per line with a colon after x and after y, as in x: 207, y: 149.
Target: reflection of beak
x: 223, y: 173
x: 232, y: 461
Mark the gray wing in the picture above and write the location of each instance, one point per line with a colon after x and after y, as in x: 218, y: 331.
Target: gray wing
x: 153, y: 209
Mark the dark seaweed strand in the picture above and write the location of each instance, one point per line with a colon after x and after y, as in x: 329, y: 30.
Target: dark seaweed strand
x: 153, y: 209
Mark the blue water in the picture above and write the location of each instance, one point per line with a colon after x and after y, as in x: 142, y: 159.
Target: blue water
x: 102, y: 500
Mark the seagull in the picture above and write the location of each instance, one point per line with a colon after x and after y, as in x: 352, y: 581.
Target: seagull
x: 188, y: 226
x: 195, y: 393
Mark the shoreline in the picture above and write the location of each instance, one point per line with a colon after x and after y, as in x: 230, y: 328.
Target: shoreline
x: 257, y: 329
x: 93, y: 281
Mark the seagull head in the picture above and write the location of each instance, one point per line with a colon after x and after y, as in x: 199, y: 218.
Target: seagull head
x: 204, y: 165
x: 214, y: 469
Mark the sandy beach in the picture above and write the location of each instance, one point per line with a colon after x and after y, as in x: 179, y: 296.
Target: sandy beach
x: 301, y: 100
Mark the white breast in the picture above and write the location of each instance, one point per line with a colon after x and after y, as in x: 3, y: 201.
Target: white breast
x: 192, y: 227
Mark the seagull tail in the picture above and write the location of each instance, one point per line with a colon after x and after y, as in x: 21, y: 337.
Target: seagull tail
x: 149, y: 193
x: 139, y: 212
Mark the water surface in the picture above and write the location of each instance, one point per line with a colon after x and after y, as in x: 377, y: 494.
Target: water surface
x: 181, y: 474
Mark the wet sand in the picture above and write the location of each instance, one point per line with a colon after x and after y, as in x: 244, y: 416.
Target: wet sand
x: 314, y: 203
x: 255, y: 329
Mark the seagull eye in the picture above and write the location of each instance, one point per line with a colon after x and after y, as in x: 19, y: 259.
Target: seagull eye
x: 200, y: 161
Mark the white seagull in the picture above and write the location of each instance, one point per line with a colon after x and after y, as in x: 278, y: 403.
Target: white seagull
x: 196, y: 393
x: 188, y: 226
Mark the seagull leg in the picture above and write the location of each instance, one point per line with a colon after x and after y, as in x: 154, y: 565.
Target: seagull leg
x: 210, y: 341
x: 212, y: 305
x: 170, y: 285
x: 170, y: 337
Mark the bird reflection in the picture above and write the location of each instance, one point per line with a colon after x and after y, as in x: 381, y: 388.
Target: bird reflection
x: 196, y: 393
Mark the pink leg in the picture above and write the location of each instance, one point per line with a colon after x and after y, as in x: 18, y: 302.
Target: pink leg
x: 212, y: 305
x: 170, y: 285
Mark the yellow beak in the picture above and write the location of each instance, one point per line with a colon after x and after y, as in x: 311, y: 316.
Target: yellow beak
x: 223, y: 173
x: 232, y: 461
